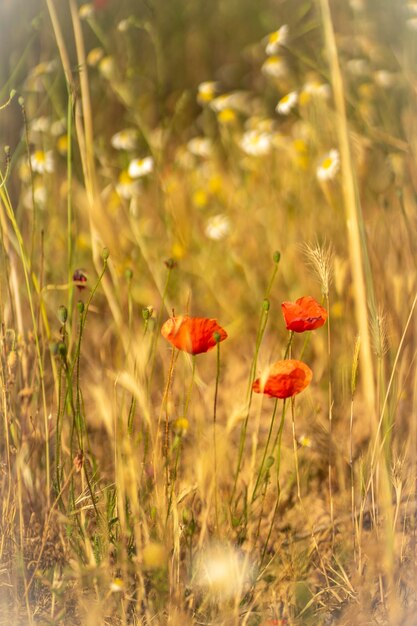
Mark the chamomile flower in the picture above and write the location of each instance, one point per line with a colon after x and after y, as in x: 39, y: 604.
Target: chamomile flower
x: 86, y: 11
x: 222, y: 572
x: 358, y: 67
x: 227, y: 117
x: 275, y: 66
x: 141, y: 167
x: 62, y: 145
x: 236, y: 100
x: 200, y: 146
x: 217, y: 227
x: 40, y: 195
x: 304, y: 441
x: 276, y: 40
x: 45, y: 67
x: 384, y: 78
x: 206, y: 91
x: 124, y: 139
x: 94, y: 56
x: 107, y: 67
x: 40, y: 124
x: 313, y: 90
x: 127, y: 187
x: 256, y: 143
x: 42, y: 162
x: 329, y: 166
x: 116, y: 585
x: 181, y: 426
x: 58, y: 128
x: 287, y: 103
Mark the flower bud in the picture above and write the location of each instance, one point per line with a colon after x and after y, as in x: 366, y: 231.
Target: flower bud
x: 62, y: 314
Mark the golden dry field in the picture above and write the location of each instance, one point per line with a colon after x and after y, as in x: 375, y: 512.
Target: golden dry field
x: 208, y: 289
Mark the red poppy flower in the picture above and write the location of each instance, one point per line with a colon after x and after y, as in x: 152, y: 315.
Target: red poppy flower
x: 285, y: 379
x: 303, y: 314
x: 79, y: 277
x: 192, y: 334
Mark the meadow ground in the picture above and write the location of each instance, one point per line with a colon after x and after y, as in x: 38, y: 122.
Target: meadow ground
x: 207, y: 301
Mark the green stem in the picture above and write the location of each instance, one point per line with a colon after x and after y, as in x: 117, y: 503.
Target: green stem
x: 271, y: 426
x: 216, y: 390
x: 278, y: 444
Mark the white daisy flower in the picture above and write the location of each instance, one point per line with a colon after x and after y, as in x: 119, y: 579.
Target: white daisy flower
x: 107, y: 67
x: 200, y: 146
x: 236, y: 100
x: 127, y: 187
x: 329, y: 166
x: 287, y: 103
x: 384, y: 78
x: 124, y: 139
x: 42, y: 162
x: 116, y: 585
x: 256, y: 143
x: 217, y: 227
x: 40, y: 124
x: 39, y: 194
x: 277, y: 39
x: 316, y: 88
x: 58, y: 128
x: 275, y: 66
x: 86, y: 11
x: 141, y: 167
x: 94, y: 56
x: 206, y: 91
x: 357, y: 67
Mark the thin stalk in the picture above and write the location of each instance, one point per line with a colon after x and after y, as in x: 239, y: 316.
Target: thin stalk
x: 69, y: 207
x: 259, y: 477
x: 216, y: 390
x: 330, y: 409
x: 357, y: 245
x: 263, y: 319
x: 278, y: 467
x: 26, y: 270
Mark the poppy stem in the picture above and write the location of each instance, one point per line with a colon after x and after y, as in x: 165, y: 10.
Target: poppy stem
x: 261, y: 330
x: 216, y: 390
x: 263, y: 318
x: 294, y: 441
x: 255, y: 490
x: 190, y: 388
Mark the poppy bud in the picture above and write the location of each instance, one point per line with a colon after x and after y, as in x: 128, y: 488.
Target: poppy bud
x: 78, y: 277
x: 80, y: 307
x: 129, y: 274
x: 147, y: 313
x: 277, y: 256
x: 217, y: 337
x: 170, y: 263
x: 62, y: 314
x: 105, y: 254
x: 266, y: 304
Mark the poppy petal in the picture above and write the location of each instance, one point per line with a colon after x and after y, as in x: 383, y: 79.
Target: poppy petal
x: 303, y: 314
x: 284, y: 379
x: 192, y: 334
